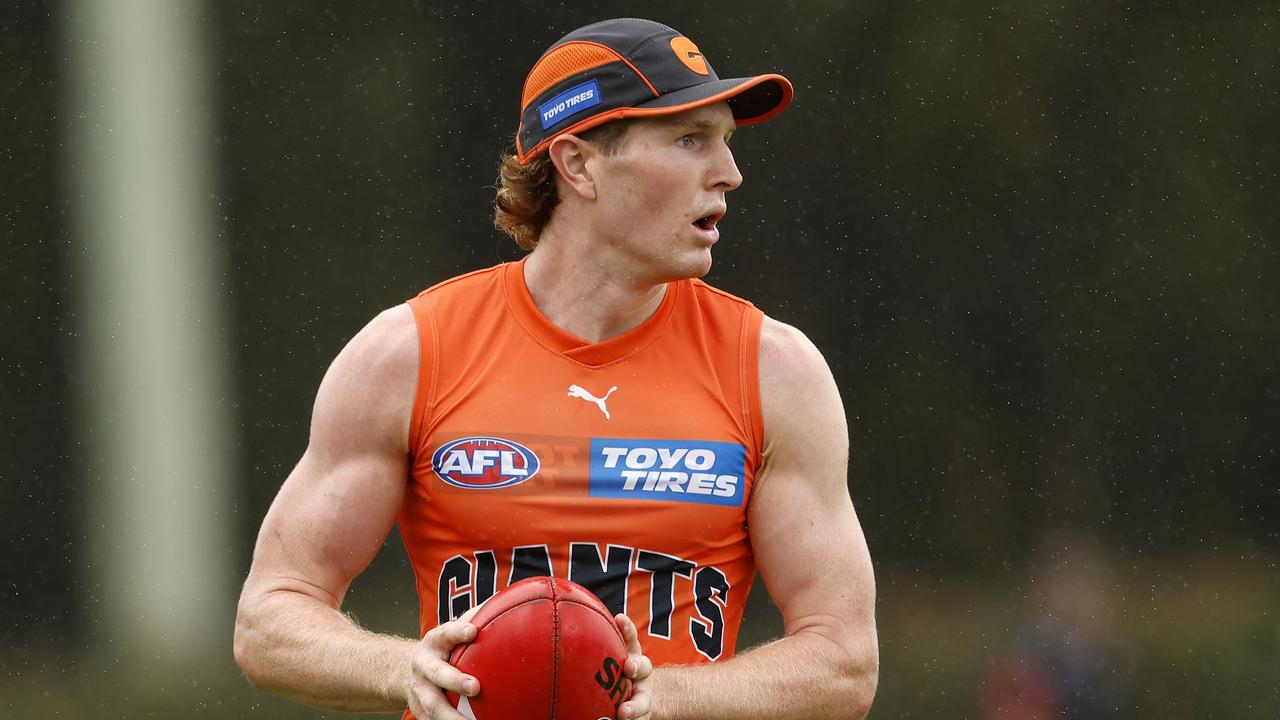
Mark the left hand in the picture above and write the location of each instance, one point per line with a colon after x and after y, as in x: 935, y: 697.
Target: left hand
x: 637, y: 668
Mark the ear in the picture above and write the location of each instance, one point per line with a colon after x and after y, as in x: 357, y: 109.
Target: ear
x: 569, y: 153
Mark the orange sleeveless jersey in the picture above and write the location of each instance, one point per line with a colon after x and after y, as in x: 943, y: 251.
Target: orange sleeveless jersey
x: 624, y: 465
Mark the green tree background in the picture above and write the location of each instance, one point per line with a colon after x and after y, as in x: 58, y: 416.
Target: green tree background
x: 1036, y: 242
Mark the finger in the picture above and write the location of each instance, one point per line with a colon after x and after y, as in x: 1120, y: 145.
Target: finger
x: 637, y: 707
x: 449, y: 635
x: 637, y: 667
x: 629, y: 634
x: 445, y: 676
x: 426, y: 702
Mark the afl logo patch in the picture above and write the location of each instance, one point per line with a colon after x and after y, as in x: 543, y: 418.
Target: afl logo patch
x: 484, y: 463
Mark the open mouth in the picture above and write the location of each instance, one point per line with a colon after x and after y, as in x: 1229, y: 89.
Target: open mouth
x: 708, y: 222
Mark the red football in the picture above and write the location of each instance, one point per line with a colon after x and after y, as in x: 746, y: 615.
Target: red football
x: 545, y: 649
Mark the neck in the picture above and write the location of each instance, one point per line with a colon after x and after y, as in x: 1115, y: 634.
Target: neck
x: 579, y: 289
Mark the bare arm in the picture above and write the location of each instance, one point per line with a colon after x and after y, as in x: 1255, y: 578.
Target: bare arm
x: 813, y: 559
x: 326, y: 524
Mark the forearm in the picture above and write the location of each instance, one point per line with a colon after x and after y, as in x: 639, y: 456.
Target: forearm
x: 805, y: 676
x: 293, y: 644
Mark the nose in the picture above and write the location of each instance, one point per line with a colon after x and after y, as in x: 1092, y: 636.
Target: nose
x: 724, y: 174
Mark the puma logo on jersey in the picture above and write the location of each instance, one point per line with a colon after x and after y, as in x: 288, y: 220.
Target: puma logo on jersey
x: 698, y: 471
x: 577, y: 391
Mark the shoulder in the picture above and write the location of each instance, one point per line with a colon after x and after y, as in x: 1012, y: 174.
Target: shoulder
x: 722, y: 315
x: 796, y: 384
x: 388, y: 343
x: 788, y: 355
x: 370, y: 384
x: 465, y: 286
x: 714, y: 294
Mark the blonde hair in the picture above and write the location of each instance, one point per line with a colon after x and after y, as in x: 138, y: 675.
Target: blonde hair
x: 527, y: 194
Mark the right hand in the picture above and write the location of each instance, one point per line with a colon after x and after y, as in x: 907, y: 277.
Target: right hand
x: 431, y: 674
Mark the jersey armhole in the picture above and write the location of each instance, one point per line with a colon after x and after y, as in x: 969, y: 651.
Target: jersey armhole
x: 753, y: 414
x: 428, y: 370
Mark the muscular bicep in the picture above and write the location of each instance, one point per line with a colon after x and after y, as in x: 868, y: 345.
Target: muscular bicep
x: 336, y: 508
x: 806, y: 536
x: 326, y: 525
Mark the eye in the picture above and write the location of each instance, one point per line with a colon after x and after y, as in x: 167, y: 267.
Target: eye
x: 685, y: 141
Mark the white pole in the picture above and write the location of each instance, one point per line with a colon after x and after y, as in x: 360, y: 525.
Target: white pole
x: 153, y: 359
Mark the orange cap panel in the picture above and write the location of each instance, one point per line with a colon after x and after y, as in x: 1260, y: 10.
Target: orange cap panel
x: 565, y: 61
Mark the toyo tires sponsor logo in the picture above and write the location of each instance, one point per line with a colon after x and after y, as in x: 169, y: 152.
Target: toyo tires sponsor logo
x: 569, y: 103
x: 484, y: 463
x: 692, y: 471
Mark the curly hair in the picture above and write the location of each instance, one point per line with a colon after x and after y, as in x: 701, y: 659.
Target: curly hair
x: 527, y: 194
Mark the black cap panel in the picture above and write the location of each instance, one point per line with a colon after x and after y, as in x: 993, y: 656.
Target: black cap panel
x: 661, y: 62
x: 621, y: 34
x: 588, y: 93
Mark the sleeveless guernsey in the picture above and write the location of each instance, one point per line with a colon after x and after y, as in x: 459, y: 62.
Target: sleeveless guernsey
x: 624, y: 465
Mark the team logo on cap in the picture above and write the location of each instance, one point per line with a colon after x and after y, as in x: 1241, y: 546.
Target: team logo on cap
x: 484, y: 463
x: 689, y: 54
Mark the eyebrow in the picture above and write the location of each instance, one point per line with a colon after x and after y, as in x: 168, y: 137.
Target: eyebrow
x: 685, y: 121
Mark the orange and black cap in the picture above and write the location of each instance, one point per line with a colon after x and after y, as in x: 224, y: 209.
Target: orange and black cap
x: 631, y: 68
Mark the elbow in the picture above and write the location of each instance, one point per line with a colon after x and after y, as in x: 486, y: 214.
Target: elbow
x: 861, y: 676
x: 851, y: 664
x: 858, y: 693
x: 863, y: 692
x: 245, y: 649
x: 241, y: 648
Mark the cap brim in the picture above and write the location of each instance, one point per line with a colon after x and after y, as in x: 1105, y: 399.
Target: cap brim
x: 752, y: 99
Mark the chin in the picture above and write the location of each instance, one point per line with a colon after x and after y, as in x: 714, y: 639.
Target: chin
x: 696, y: 266
x: 682, y: 266
x: 703, y: 269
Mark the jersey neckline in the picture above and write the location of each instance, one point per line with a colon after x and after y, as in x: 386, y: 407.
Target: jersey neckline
x: 570, y: 346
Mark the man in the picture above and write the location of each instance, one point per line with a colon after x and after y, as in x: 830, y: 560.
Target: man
x: 592, y: 412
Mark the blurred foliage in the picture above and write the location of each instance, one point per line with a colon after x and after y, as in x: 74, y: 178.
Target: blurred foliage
x: 1036, y: 242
